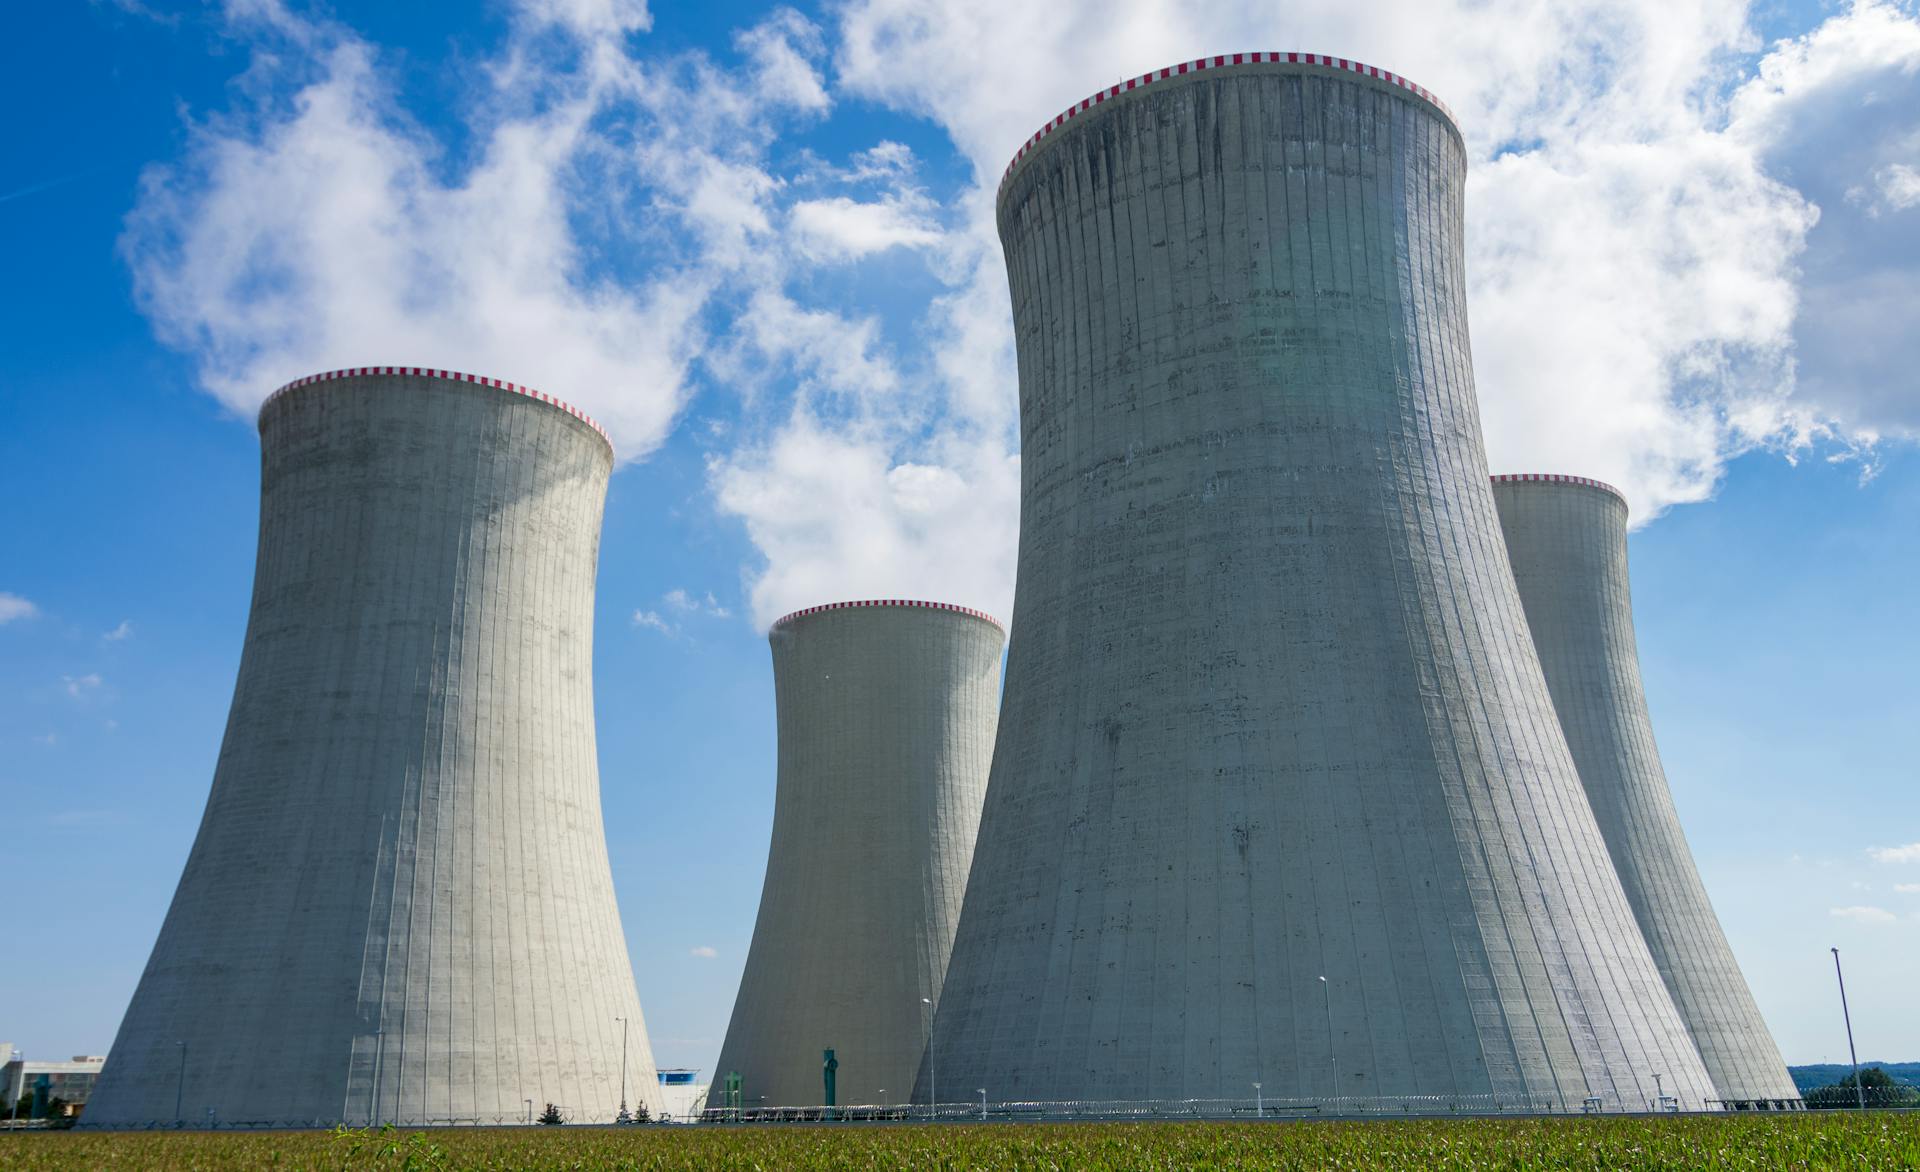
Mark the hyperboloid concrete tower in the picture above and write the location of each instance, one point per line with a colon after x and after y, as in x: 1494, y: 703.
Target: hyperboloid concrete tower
x: 399, y: 907
x: 1567, y: 538
x: 887, y: 713
x: 1279, y: 795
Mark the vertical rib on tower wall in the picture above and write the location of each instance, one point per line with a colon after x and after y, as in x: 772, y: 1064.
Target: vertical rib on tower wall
x: 887, y: 713
x: 1272, y: 711
x: 399, y: 905
x: 1567, y: 538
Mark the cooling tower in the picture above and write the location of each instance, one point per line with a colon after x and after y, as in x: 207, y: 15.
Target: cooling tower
x: 1279, y: 796
x: 399, y: 907
x: 1567, y: 538
x: 886, y: 713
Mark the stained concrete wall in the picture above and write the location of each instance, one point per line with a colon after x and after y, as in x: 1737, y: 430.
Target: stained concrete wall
x: 887, y: 714
x: 1567, y: 538
x: 399, y: 905
x: 1272, y: 710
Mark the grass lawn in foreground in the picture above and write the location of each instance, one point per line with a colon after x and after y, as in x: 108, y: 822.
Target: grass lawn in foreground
x: 1875, y: 1140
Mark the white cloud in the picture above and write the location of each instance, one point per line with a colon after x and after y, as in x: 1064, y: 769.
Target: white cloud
x: 686, y: 603
x: 1909, y: 853
x: 650, y: 620
x: 1899, y: 186
x: 120, y: 633
x: 840, y: 228
x: 1907, y: 888
x: 331, y: 230
x: 12, y: 607
x: 79, y: 687
x: 704, y: 952
x: 1863, y: 915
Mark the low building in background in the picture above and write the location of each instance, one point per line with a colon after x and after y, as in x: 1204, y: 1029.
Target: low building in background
x: 69, y: 1082
x: 681, y: 1093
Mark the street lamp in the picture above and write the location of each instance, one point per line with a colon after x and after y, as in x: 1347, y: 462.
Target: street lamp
x: 1859, y: 1092
x: 529, y: 1103
x: 983, y: 1103
x: 179, y: 1086
x: 1258, y: 1107
x: 933, y: 1069
x: 623, y: 1069
x: 1333, y: 1060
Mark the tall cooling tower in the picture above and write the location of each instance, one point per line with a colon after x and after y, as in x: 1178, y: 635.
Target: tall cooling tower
x: 399, y: 906
x: 1567, y: 538
x: 887, y: 713
x: 1279, y: 795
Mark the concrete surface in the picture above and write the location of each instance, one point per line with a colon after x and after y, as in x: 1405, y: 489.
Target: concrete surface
x: 1272, y: 710
x: 399, y: 906
x: 1568, y: 542
x: 887, y: 714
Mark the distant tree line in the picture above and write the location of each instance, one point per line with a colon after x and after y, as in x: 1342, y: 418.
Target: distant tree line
x: 1875, y: 1085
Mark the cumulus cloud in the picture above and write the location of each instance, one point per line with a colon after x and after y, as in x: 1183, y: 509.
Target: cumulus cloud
x: 120, y: 633
x: 687, y: 603
x: 704, y: 951
x: 79, y: 687
x: 331, y: 230
x: 1683, y: 244
x: 1909, y: 853
x: 1907, y: 888
x: 12, y: 607
x: 1863, y: 915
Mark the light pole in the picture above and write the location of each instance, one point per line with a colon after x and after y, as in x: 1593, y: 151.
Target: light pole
x: 983, y: 1103
x: 1258, y: 1109
x: 1659, y: 1091
x: 933, y: 1069
x: 623, y: 1068
x: 1333, y: 1060
x: 15, y: 1122
x: 179, y: 1086
x: 379, y: 1052
x: 1859, y: 1092
x: 883, y: 1102
x: 529, y: 1103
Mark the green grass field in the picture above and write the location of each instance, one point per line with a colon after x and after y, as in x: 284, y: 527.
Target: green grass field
x: 1835, y: 1140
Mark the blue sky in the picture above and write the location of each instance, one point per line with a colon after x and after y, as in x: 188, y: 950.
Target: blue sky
x: 756, y: 241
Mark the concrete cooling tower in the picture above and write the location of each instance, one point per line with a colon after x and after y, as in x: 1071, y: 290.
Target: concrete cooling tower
x: 886, y: 713
x: 399, y: 908
x: 1567, y: 538
x: 1279, y: 795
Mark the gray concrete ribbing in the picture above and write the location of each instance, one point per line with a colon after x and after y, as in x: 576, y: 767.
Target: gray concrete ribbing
x: 886, y: 714
x: 399, y: 905
x: 1272, y: 711
x: 1567, y: 538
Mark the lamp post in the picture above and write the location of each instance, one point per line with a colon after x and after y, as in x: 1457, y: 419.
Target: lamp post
x: 179, y: 1086
x: 1258, y: 1107
x: 529, y: 1103
x: 933, y: 1070
x: 1659, y: 1091
x: 1859, y: 1092
x: 983, y: 1103
x: 623, y: 1068
x: 1333, y: 1060
x: 379, y: 1052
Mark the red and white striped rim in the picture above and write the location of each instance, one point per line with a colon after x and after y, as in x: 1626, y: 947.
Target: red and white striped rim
x: 1223, y: 61
x: 783, y: 620
x: 450, y: 376
x: 1557, y: 478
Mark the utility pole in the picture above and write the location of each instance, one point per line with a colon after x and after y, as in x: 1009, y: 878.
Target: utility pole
x: 1258, y: 1109
x: 983, y: 1104
x: 933, y: 1070
x: 1859, y: 1092
x: 1333, y: 1060
x: 623, y: 1068
x: 180, y: 1086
